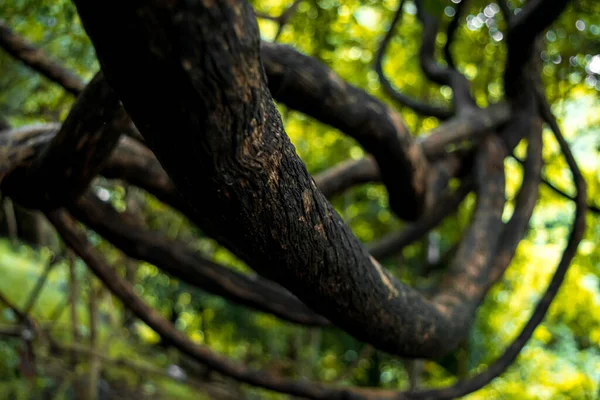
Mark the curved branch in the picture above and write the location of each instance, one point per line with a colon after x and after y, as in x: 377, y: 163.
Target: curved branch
x: 347, y: 174
x: 400, y: 98
x: 462, y: 99
x: 38, y: 60
x: 591, y: 207
x: 233, y: 158
x: 451, y: 32
x: 65, y: 167
x: 512, y: 351
x: 176, y: 259
x: 304, y: 84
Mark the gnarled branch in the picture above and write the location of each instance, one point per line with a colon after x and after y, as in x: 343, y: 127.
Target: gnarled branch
x: 233, y: 158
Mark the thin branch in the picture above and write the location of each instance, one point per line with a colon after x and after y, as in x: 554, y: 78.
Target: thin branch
x: 11, y: 220
x: 462, y: 99
x: 451, y: 33
x: 347, y: 174
x: 561, y: 192
x: 73, y: 294
x: 20, y: 315
x: 11, y: 330
x: 400, y: 98
x: 591, y: 207
x: 470, y: 125
x: 95, y: 366
x: 57, y: 312
x: 39, y: 285
x: 38, y: 60
x: 124, y: 363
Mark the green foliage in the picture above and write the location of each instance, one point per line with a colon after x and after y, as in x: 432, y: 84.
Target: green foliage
x: 563, y: 359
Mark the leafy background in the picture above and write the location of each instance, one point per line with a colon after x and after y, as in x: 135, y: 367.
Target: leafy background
x: 562, y: 361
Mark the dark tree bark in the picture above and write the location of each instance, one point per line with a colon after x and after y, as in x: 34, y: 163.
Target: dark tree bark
x: 198, y: 83
x: 230, y: 143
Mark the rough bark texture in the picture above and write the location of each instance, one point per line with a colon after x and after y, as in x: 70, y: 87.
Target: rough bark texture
x: 230, y: 143
x: 197, y: 81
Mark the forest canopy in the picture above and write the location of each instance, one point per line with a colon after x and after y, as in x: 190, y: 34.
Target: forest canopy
x: 317, y: 199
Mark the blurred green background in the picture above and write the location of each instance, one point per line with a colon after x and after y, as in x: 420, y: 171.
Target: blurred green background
x: 562, y: 361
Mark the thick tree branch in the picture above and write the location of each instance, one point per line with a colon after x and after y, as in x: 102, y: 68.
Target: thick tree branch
x: 66, y: 166
x: 137, y: 165
x: 233, y: 158
x: 400, y: 98
x: 38, y: 60
x: 176, y: 259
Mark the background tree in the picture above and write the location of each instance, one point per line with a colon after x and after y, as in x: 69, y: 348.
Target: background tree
x: 408, y: 262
